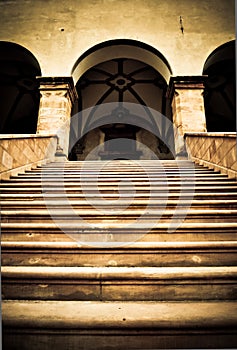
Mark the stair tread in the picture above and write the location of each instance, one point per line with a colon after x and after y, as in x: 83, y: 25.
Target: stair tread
x: 124, y: 172
x: 115, y: 211
x: 125, y: 314
x: 32, y: 196
x: 101, y: 273
x: 132, y: 246
x: 140, y: 183
x: 118, y: 176
x: 111, y: 225
x: 52, y: 186
x: 121, y: 201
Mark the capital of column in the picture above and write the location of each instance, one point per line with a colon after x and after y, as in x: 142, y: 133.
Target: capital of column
x: 57, y: 86
x: 185, y: 82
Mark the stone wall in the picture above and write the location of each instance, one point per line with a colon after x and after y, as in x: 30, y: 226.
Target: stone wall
x: 215, y: 150
x: 22, y: 152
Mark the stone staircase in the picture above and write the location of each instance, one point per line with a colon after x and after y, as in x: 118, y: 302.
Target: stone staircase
x: 119, y: 255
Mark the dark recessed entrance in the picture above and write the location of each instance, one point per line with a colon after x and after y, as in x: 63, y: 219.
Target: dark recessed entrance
x: 120, y: 82
x: 120, y: 142
x: 220, y: 89
x: 19, y: 93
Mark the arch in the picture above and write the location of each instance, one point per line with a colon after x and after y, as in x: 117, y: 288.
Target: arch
x: 19, y: 94
x: 222, y: 53
x: 219, y: 93
x: 122, y: 80
x: 120, y: 48
x: 118, y: 72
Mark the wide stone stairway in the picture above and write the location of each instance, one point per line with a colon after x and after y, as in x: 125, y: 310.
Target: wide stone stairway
x: 119, y: 255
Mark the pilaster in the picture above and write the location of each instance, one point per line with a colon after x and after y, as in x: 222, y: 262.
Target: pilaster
x: 186, y: 97
x: 58, y: 95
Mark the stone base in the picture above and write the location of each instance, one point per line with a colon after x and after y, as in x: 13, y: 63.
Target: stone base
x: 120, y: 155
x: 182, y: 156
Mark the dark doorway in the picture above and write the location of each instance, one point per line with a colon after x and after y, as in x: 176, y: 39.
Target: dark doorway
x: 19, y: 93
x: 220, y: 89
x: 120, y: 142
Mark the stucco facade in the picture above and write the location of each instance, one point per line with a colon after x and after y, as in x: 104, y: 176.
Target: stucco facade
x: 59, y: 32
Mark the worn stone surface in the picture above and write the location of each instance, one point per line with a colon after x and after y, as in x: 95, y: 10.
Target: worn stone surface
x: 119, y: 283
x: 172, y: 286
x: 119, y: 325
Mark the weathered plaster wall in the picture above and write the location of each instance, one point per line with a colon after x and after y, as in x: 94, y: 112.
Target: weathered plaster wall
x: 58, y: 32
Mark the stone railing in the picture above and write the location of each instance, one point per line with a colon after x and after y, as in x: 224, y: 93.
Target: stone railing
x: 23, y: 152
x: 214, y: 150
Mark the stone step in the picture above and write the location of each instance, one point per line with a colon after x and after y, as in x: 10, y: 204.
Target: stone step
x: 119, y: 283
x: 124, y: 172
x: 118, y: 217
x: 155, y: 181
x: 163, y: 181
x: 93, y: 190
x: 118, y: 325
x: 115, y: 234
x: 27, y: 203
x: 196, y: 196
x: 120, y: 175
x: 115, y: 165
x: 122, y: 163
x: 113, y: 227
x: 104, y: 169
x: 85, y: 169
x: 159, y: 254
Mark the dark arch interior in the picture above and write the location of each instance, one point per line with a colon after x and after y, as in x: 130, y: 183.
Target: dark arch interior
x: 119, y: 81
x: 220, y: 90
x: 122, y: 80
x: 19, y: 93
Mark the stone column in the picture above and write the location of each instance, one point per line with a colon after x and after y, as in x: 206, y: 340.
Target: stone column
x: 186, y: 97
x: 57, y: 97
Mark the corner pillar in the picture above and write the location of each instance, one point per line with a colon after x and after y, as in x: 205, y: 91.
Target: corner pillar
x: 58, y: 95
x: 186, y: 97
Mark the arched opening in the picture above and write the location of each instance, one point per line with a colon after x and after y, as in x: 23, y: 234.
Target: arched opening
x: 219, y: 94
x: 133, y: 75
x: 19, y: 94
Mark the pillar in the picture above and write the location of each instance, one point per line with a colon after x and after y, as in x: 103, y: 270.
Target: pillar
x: 58, y: 95
x: 187, y: 102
